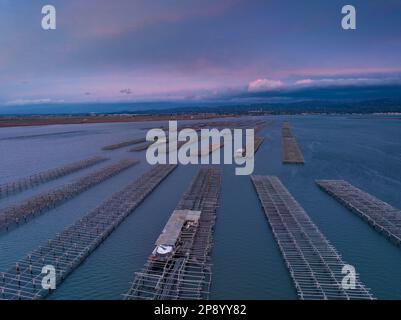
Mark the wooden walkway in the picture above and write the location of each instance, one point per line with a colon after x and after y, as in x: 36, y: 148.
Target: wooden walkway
x: 291, y: 152
x: 314, y: 264
x: 70, y: 248
x: 380, y: 215
x: 20, y: 213
x: 186, y: 272
x: 36, y: 179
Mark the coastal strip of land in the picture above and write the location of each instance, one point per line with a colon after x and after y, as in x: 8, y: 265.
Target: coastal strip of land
x: 24, y: 121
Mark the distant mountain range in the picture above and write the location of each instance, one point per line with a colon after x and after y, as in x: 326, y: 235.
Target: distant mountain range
x: 315, y: 106
x: 318, y: 99
x: 369, y: 106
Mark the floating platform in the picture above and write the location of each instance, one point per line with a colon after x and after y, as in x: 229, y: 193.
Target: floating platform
x: 141, y: 147
x: 36, y: 179
x: 291, y: 152
x: 179, y: 266
x: 123, y: 144
x: 256, y: 145
x: 209, y: 149
x: 314, y: 264
x: 380, y: 215
x: 70, y: 248
x: 179, y: 145
x: 20, y: 213
x: 172, y: 231
x: 259, y: 126
x: 146, y: 145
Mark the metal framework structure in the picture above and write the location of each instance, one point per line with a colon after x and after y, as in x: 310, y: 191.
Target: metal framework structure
x: 36, y: 179
x: 209, y: 149
x: 259, y: 126
x: 314, y: 264
x: 71, y: 247
x: 186, y: 273
x: 291, y: 152
x: 380, y: 215
x: 35, y: 205
x: 258, y: 141
x: 179, y: 145
x: 141, y: 147
x: 123, y: 144
x: 144, y: 146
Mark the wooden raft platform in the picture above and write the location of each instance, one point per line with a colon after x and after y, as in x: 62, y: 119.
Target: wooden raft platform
x: 380, y: 215
x: 314, y: 264
x: 184, y: 273
x: 20, y: 213
x: 291, y: 152
x: 70, y: 248
x: 36, y: 179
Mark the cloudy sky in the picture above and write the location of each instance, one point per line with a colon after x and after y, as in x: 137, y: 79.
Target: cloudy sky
x: 135, y: 50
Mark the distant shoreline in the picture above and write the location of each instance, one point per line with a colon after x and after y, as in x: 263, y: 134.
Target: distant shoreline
x: 45, y: 120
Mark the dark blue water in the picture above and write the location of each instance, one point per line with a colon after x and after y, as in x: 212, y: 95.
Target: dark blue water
x: 247, y: 264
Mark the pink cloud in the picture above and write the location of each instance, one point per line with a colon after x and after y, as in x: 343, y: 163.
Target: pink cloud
x: 260, y: 85
x: 304, y: 82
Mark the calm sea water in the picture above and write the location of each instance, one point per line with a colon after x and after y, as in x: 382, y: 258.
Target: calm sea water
x: 247, y: 264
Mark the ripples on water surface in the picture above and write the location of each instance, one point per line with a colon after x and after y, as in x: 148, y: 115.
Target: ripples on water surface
x: 366, y: 151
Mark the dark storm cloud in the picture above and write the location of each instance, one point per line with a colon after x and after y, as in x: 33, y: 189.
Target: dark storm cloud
x: 197, y: 48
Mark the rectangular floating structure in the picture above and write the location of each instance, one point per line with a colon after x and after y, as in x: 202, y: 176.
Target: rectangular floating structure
x: 35, y: 205
x: 379, y: 214
x: 141, y: 147
x: 124, y: 144
x: 291, y: 152
x: 256, y: 145
x: 36, y: 179
x: 207, y: 147
x: 70, y: 248
x: 210, y: 149
x: 173, y: 228
x: 173, y: 148
x: 260, y: 125
x: 181, y: 269
x: 167, y: 150
x: 146, y: 145
x: 314, y: 264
